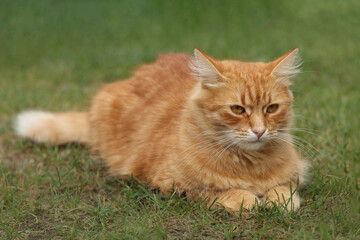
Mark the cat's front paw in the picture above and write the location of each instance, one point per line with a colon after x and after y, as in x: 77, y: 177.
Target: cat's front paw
x: 236, y: 200
x: 282, y: 197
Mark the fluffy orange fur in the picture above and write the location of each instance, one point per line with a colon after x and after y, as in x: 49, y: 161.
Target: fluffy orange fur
x: 214, y: 129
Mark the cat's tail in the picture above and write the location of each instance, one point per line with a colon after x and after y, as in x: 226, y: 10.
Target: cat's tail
x: 53, y: 128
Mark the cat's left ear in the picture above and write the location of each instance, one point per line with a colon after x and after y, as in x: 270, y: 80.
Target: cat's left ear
x: 287, y: 66
x: 204, y: 68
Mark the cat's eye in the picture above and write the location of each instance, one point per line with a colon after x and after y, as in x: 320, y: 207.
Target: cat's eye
x: 237, y: 109
x: 272, y: 108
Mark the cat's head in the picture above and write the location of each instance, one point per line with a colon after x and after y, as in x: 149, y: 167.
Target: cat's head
x: 248, y: 103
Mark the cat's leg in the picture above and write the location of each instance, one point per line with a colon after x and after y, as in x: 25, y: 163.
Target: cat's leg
x: 282, y: 195
x: 232, y: 199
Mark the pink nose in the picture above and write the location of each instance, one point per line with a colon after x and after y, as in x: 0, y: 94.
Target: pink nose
x: 259, y: 132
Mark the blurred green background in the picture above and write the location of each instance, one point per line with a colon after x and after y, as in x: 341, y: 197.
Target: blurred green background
x: 54, y: 55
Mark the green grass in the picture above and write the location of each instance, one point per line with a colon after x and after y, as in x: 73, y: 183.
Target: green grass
x: 55, y: 55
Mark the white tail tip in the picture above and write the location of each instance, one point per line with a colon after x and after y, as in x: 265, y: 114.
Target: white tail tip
x: 33, y: 124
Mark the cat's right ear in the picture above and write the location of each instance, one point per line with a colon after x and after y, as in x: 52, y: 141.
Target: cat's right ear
x: 204, y: 68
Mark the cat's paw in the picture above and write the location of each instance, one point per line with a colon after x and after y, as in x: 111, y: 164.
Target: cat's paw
x: 240, y: 200
x: 282, y: 198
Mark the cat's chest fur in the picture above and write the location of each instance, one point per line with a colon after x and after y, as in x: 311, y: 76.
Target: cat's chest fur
x: 256, y: 173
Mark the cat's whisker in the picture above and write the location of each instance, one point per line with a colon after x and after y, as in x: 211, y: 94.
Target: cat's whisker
x: 242, y: 134
x: 303, y: 148
x: 293, y: 141
x: 193, y: 146
x: 221, y: 152
x: 300, y: 146
x: 290, y: 128
x: 304, y: 151
x: 211, y: 155
x: 212, y: 134
x: 207, y: 136
x: 226, y: 148
x: 218, y: 147
x: 205, y: 145
x: 299, y: 130
x: 199, y: 144
x: 207, y: 133
x: 302, y: 140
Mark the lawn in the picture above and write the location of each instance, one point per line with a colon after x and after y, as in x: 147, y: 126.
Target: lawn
x: 54, y: 55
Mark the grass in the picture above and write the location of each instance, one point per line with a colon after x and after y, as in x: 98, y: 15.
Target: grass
x: 55, y: 55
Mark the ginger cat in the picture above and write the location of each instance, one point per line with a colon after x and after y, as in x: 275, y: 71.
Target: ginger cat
x: 214, y: 129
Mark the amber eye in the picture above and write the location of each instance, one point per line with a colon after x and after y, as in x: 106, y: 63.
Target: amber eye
x: 272, y: 108
x: 237, y: 109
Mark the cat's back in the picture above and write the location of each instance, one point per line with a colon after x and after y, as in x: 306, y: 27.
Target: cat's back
x: 153, y: 89
x: 169, y: 72
x: 168, y: 77
x: 133, y: 116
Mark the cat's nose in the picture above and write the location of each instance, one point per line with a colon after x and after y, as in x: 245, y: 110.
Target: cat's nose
x: 258, y: 132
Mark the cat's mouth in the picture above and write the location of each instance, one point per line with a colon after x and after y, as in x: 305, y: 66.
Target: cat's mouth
x: 257, y: 141
x: 252, y: 143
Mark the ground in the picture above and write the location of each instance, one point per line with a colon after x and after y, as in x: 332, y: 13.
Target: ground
x: 54, y: 55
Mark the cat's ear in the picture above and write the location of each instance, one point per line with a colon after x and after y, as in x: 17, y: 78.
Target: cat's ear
x: 204, y: 68
x: 287, y: 66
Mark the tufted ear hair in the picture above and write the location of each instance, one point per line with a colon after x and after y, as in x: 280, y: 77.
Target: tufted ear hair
x: 287, y: 66
x: 204, y: 69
